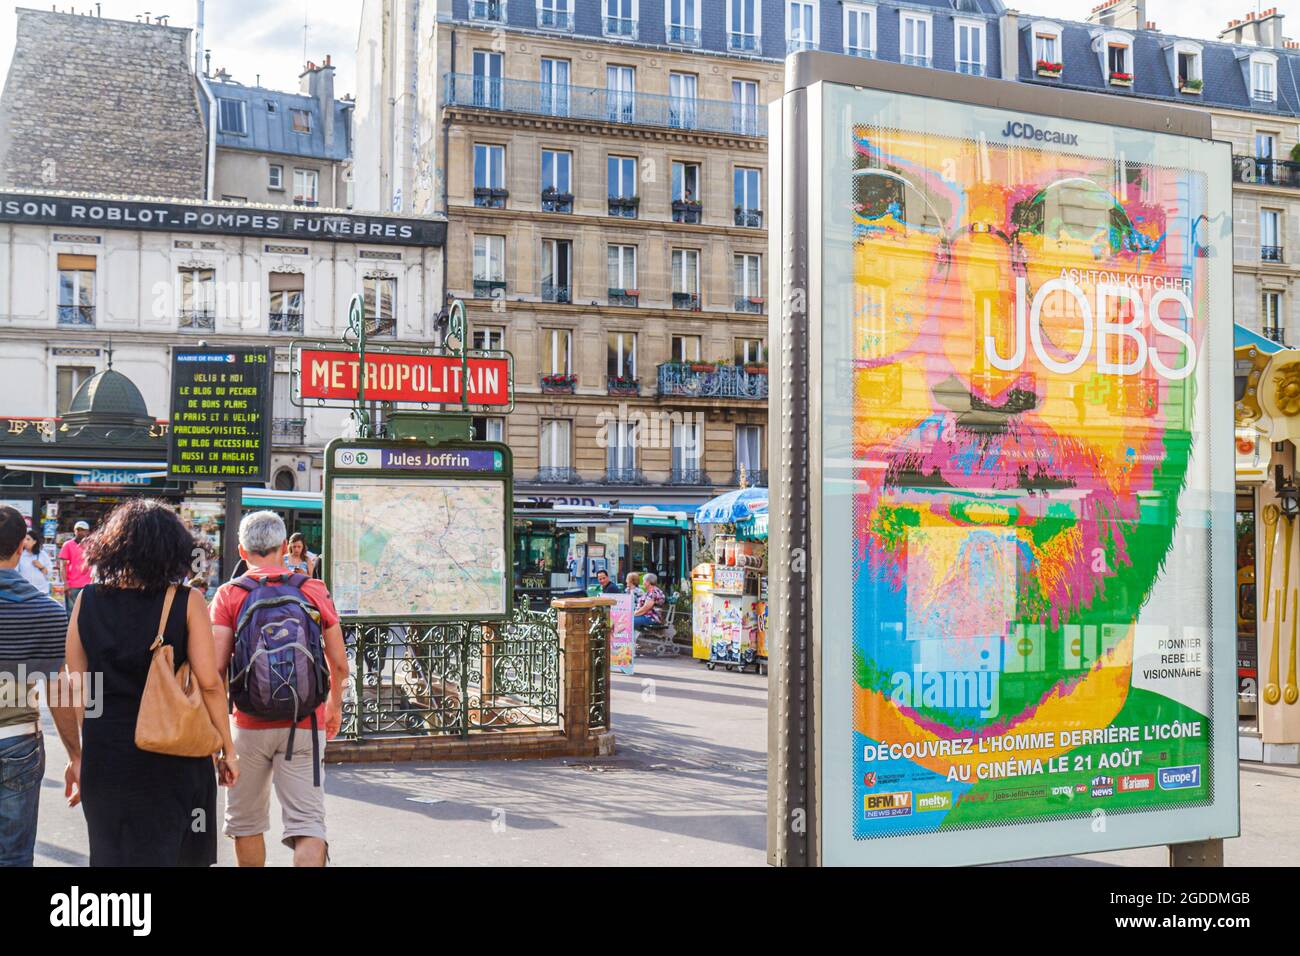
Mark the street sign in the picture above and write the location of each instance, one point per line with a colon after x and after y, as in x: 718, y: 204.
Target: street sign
x: 1002, y: 591
x: 220, y: 415
x: 334, y: 375
x: 417, y: 532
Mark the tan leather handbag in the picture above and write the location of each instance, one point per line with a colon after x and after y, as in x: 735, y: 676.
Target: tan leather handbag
x: 173, y: 719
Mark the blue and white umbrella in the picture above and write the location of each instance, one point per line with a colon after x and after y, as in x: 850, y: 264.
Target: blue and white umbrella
x: 732, y: 506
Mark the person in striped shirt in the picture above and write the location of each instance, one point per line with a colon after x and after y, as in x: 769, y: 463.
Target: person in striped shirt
x: 33, y: 632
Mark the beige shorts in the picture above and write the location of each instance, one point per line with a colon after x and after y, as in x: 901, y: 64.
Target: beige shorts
x: 261, y: 764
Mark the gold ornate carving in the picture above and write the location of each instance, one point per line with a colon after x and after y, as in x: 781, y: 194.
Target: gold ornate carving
x: 1287, y: 385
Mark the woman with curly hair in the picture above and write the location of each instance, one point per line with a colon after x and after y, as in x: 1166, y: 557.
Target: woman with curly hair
x: 142, y: 808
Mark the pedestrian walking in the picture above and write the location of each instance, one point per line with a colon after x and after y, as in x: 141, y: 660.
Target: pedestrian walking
x: 32, y: 565
x: 299, y: 559
x: 274, y: 614
x: 72, y: 563
x: 32, y: 629
x: 143, y: 808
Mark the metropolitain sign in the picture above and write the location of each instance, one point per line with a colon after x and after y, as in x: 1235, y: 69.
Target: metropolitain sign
x: 335, y: 375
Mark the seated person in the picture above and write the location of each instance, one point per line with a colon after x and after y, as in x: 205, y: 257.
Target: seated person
x: 649, y: 612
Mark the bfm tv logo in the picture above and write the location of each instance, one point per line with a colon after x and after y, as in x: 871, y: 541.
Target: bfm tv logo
x: 887, y: 804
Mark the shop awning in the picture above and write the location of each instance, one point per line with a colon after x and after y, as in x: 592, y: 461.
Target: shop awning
x: 77, y: 466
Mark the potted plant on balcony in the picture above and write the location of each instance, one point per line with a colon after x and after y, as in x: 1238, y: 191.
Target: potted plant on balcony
x: 1120, y: 78
x: 553, y: 197
x: 756, y: 368
x: 1048, y: 68
x: 1191, y: 86
x: 699, y: 366
x: 624, y: 385
x: 563, y: 382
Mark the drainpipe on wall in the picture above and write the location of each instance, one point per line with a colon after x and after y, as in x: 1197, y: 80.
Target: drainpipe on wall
x: 212, y: 136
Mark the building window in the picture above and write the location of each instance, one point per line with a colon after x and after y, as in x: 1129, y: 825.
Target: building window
x: 682, y: 100
x: 488, y: 429
x: 553, y: 453
x: 914, y: 39
x: 300, y: 120
x: 198, y: 288
x: 557, y: 187
x: 622, y: 275
x: 306, y: 185
x: 1271, y: 315
x: 67, y: 380
x: 557, y: 352
x: 380, y: 302
x: 1263, y: 79
x: 749, y: 282
x: 620, y: 19
x: 557, y: 270
x: 493, y: 11
x: 488, y: 339
x: 620, y: 458
x: 1189, y: 71
x: 1270, y: 235
x: 749, y: 455
x: 555, y: 15
x: 800, y: 25
x: 490, y: 176
x: 859, y: 30
x: 743, y: 26
x: 751, y: 351
x: 489, y: 266
x: 687, y: 207
x: 487, y: 79
x: 688, y: 445
x: 747, y: 195
x: 232, y: 117
x: 970, y: 47
x: 686, y: 279
x: 686, y: 348
x: 620, y: 94
x: 684, y: 22
x: 1117, y: 65
x: 621, y: 173
x: 275, y: 177
x: 76, y: 290
x: 744, y: 107
x: 286, y: 302
x: 620, y: 363
x: 555, y: 86
x: 1047, y: 53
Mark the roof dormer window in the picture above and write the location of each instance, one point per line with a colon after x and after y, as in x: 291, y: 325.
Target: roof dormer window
x: 1119, y: 71
x: 1263, y: 78
x: 1185, y: 66
x: 1047, y: 48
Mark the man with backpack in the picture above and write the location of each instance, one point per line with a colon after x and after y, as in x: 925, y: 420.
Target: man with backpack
x: 278, y: 638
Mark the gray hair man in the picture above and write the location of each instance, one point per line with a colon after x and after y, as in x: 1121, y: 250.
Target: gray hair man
x: 261, y: 744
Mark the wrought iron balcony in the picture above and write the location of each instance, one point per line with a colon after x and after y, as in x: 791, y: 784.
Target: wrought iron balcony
x: 285, y: 323
x: 1266, y: 172
x: 1274, y: 334
x: 623, y: 386
x: 622, y: 27
x: 624, y: 297
x: 1270, y: 253
x: 912, y: 59
x: 624, y: 207
x: 688, y: 211
x: 970, y: 68
x: 489, y: 197
x: 750, y: 477
x: 493, y: 10
x: 555, y: 293
x: 381, y: 325
x: 690, y: 301
x: 196, y: 320
x: 624, y: 476
x: 488, y: 288
x: 602, y: 105
x: 555, y: 20
x: 683, y: 35
x: 554, y: 201
x: 561, y: 383
x: 305, y: 202
x: 742, y: 42
x: 751, y: 304
x: 689, y: 476
x: 77, y: 316
x: 686, y: 380
x: 288, y: 431
x: 562, y: 475
x: 866, y: 52
x: 751, y: 218
x: 795, y: 44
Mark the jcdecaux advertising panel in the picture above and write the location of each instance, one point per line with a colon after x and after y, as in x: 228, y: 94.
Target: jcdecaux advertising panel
x: 1023, y: 329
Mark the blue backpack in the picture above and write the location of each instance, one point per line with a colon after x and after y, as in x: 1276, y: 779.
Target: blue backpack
x: 278, y: 669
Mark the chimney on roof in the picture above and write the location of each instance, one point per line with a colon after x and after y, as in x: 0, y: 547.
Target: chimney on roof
x: 222, y: 76
x: 1120, y: 14
x: 317, y: 81
x: 1262, y: 30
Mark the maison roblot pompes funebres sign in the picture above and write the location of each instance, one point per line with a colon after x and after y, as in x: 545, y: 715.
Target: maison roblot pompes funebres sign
x: 289, y: 222
x: 220, y: 430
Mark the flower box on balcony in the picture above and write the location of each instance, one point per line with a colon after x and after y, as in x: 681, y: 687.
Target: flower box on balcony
x: 624, y: 386
x: 1191, y: 86
x: 756, y: 369
x: 1048, y: 68
x: 1121, y: 79
x: 559, y: 384
x: 703, y: 367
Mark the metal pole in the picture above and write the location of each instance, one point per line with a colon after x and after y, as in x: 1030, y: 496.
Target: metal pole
x: 230, y: 536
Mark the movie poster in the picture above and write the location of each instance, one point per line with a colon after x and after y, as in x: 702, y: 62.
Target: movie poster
x: 1021, y: 453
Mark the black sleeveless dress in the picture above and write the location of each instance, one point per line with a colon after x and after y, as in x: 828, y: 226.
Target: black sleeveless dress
x: 142, y: 809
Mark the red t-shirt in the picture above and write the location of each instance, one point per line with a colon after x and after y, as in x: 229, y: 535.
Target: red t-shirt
x: 225, y: 613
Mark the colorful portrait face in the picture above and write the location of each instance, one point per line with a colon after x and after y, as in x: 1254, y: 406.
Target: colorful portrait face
x: 1027, y: 326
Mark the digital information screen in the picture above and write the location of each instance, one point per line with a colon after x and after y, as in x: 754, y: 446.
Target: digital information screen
x: 220, y: 420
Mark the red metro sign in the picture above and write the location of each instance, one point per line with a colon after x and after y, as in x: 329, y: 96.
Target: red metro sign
x: 393, y: 377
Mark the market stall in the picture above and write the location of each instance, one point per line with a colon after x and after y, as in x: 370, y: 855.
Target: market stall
x: 729, y: 593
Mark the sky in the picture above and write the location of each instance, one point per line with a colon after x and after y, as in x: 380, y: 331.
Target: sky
x: 252, y: 37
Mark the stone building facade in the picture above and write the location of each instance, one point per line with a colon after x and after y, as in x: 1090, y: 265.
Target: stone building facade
x: 101, y: 105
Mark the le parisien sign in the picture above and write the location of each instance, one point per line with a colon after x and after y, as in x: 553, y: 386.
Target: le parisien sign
x: 335, y: 375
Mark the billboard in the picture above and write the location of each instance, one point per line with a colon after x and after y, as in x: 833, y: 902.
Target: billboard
x: 1021, y: 487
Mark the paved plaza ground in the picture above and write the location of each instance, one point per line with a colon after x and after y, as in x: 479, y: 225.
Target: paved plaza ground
x: 686, y: 788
